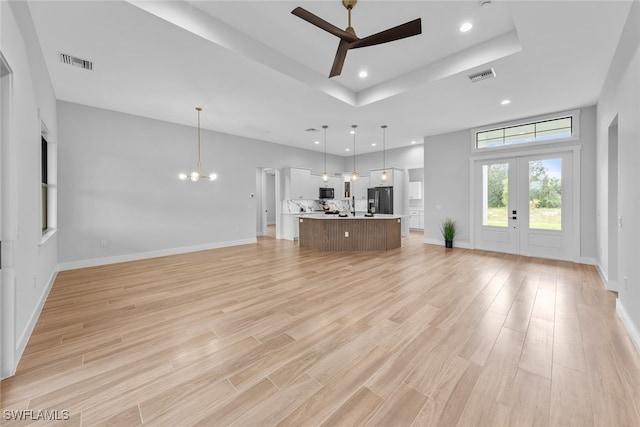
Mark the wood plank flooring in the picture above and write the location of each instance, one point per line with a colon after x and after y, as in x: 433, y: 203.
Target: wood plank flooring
x: 272, y: 334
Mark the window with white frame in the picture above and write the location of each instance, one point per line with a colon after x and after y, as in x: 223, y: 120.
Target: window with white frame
x: 532, y: 132
x: 44, y: 163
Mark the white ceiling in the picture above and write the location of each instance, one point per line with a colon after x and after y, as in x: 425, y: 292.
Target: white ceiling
x: 261, y: 72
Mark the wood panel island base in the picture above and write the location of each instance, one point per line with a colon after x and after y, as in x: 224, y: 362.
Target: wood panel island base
x: 359, y: 233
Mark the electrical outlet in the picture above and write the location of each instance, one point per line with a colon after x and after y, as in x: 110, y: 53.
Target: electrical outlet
x: 103, y: 243
x: 346, y: 234
x: 626, y: 283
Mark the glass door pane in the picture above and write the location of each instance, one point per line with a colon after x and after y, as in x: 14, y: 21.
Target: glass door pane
x: 495, y: 197
x: 545, y: 194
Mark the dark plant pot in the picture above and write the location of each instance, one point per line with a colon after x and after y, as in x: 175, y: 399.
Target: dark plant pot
x: 448, y: 243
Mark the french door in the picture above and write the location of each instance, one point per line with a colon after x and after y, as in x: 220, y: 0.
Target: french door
x: 525, y: 205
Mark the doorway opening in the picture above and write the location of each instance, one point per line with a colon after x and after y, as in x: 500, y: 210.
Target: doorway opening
x: 268, y: 209
x: 7, y: 214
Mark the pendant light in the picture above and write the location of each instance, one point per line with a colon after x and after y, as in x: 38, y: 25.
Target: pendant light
x: 325, y: 175
x: 354, y: 174
x: 197, y: 174
x: 384, y: 176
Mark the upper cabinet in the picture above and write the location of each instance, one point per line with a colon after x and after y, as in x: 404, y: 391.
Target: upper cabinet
x: 394, y: 178
x: 301, y: 185
x: 334, y: 182
x: 359, y: 188
x: 415, y: 190
x: 375, y: 178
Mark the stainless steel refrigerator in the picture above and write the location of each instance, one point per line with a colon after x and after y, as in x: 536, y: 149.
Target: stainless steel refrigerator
x: 380, y: 200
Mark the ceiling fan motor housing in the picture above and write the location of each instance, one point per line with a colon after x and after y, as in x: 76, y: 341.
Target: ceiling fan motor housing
x: 349, y: 4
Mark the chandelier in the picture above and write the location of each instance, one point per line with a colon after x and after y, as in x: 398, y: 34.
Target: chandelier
x: 197, y: 174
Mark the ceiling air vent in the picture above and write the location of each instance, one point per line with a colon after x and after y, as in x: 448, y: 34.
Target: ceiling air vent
x: 311, y: 130
x: 76, y: 62
x: 482, y: 75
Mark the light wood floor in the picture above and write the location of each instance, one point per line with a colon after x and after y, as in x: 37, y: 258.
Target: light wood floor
x: 269, y: 334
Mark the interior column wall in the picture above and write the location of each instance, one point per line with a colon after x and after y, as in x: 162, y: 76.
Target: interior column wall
x: 620, y: 97
x: 32, y: 102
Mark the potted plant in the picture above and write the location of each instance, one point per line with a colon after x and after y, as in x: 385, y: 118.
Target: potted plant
x: 448, y: 229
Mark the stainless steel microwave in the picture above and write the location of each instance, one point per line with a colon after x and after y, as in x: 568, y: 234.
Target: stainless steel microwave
x: 326, y: 193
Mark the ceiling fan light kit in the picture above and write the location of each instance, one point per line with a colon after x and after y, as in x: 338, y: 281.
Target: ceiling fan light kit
x: 349, y: 39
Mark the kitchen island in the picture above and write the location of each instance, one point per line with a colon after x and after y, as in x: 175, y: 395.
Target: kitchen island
x: 350, y: 233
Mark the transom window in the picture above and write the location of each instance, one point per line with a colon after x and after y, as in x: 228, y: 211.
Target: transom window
x: 539, y: 131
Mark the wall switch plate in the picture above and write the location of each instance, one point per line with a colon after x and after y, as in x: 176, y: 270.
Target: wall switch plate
x: 346, y: 234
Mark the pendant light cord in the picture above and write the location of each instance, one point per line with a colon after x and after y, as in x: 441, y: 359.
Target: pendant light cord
x: 198, y: 109
x: 354, y: 148
x: 325, y: 147
x: 384, y: 147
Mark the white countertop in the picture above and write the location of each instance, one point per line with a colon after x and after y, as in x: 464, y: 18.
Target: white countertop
x: 358, y: 216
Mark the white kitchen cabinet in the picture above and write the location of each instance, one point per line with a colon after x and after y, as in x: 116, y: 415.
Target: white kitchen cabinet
x: 302, y: 185
x: 359, y: 188
x: 416, y: 220
x: 415, y: 190
x: 375, y: 177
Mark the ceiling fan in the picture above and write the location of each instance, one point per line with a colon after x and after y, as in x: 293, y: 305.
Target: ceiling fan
x: 348, y: 38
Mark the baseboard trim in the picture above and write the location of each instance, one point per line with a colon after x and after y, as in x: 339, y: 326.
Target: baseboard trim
x: 73, y: 265
x: 587, y: 260
x: 602, y: 274
x: 23, y: 340
x: 456, y: 244
x: 610, y: 285
x: 628, y: 324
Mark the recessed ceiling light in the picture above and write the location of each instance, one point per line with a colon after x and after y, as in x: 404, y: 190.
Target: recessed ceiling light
x: 362, y: 74
x: 373, y: 144
x: 505, y: 102
x: 413, y: 142
x: 317, y: 142
x: 465, y: 27
x: 352, y: 131
x: 346, y: 149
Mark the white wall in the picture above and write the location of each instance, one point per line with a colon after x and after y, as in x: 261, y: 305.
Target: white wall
x: 620, y: 97
x: 29, y: 264
x: 446, y: 184
x: 401, y: 158
x: 120, y: 197
x: 447, y: 192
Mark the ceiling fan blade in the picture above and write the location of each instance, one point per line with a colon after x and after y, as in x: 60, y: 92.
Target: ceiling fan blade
x: 408, y: 29
x: 338, y: 61
x: 321, y: 23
